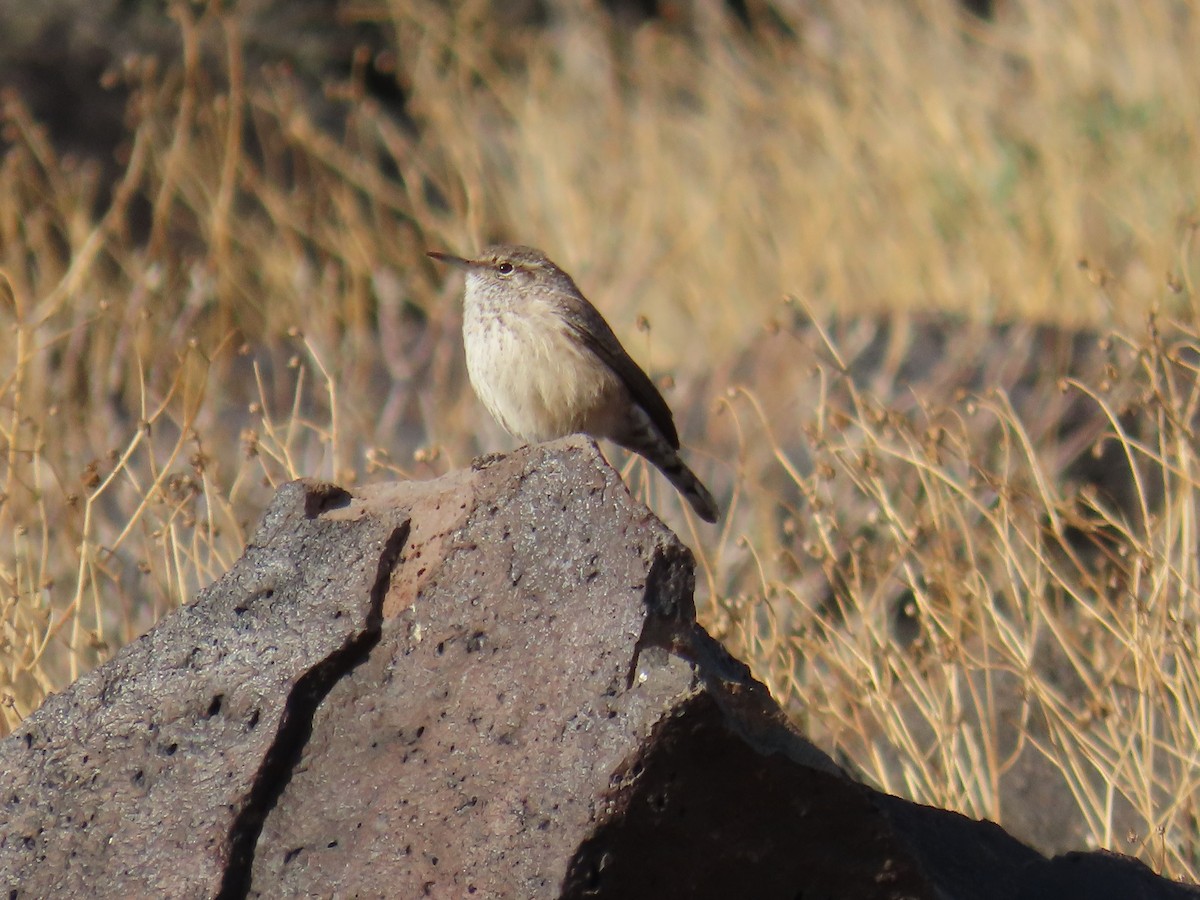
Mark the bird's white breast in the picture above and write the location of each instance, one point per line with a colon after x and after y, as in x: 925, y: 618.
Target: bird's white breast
x: 536, y: 379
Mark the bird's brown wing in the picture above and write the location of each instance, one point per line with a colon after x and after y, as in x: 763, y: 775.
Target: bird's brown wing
x: 593, y: 332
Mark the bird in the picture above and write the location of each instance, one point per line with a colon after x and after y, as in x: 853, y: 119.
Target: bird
x: 546, y: 364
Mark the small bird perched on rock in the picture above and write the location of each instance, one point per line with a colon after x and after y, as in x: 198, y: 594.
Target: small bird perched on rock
x: 546, y: 364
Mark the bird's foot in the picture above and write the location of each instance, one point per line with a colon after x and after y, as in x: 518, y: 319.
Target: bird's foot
x: 479, y: 463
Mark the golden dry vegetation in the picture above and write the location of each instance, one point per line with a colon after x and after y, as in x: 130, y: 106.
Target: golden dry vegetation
x: 252, y: 304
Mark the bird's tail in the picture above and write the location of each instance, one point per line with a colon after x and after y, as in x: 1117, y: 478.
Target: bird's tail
x: 690, y: 486
x: 640, y: 434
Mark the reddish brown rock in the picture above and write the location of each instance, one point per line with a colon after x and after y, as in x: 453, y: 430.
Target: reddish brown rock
x: 490, y: 685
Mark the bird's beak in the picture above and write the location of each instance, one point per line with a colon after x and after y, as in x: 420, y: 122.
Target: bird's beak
x: 456, y: 261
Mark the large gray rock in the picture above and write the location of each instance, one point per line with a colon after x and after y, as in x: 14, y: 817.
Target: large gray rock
x: 150, y: 776
x: 488, y: 685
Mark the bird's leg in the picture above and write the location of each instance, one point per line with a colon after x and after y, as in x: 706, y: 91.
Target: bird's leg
x: 479, y: 463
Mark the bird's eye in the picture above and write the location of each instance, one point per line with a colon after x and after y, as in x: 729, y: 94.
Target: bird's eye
x: 505, y: 268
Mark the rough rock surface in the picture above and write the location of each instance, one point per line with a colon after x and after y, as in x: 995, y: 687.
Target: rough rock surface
x: 147, y: 776
x: 489, y: 685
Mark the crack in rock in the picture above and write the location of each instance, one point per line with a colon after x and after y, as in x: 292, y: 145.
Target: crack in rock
x: 295, y: 727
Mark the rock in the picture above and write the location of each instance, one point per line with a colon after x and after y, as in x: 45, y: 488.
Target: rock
x: 487, y: 685
x: 148, y: 776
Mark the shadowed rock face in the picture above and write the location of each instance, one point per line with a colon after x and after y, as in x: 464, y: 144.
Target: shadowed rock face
x: 487, y: 685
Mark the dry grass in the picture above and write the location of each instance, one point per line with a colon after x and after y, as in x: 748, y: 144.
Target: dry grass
x: 253, y: 305
x: 980, y: 634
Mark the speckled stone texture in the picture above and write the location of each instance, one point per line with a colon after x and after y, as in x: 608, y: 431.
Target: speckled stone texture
x: 146, y: 776
x: 488, y: 685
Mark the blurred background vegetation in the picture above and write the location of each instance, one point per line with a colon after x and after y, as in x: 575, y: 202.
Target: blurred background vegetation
x: 917, y: 279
